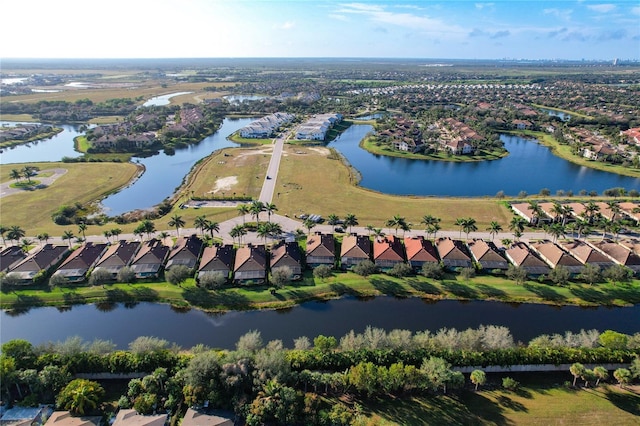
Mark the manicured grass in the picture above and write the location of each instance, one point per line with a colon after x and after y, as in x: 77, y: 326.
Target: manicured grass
x: 536, y: 404
x: 83, y: 183
x: 25, y: 184
x: 483, y: 287
x: 369, y: 145
x: 566, y: 152
x: 312, y: 180
x: 235, y: 137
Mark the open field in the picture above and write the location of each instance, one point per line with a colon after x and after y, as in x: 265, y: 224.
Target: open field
x: 536, y: 404
x: 314, y: 180
x: 83, y: 183
x: 482, y: 287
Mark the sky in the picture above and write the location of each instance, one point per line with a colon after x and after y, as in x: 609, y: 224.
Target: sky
x: 498, y: 29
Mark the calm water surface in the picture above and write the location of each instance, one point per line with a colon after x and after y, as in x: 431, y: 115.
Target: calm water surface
x: 163, y: 100
x: 529, y: 167
x: 337, y: 317
x: 52, y: 149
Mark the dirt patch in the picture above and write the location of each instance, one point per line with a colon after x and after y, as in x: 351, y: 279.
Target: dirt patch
x: 321, y: 151
x: 224, y: 184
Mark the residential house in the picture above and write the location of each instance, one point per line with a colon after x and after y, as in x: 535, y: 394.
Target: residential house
x: 420, y: 251
x: 150, y: 259
x: 250, y: 264
x: 44, y: 259
x: 587, y: 254
x: 217, y: 259
x: 24, y: 416
x: 520, y: 255
x: 199, y: 418
x: 632, y: 210
x: 76, y: 266
x: 387, y: 252
x: 555, y: 256
x: 355, y: 249
x: 631, y: 244
x: 64, y: 418
x: 129, y: 417
x: 487, y: 255
x: 117, y: 256
x: 11, y: 256
x: 287, y: 254
x: 186, y: 251
x: 632, y: 135
x: 521, y: 124
x: 523, y: 210
x: 321, y: 250
x: 619, y: 254
x: 453, y: 253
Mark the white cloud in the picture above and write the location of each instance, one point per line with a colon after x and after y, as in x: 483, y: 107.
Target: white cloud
x: 564, y: 14
x: 338, y: 17
x: 484, y: 5
x: 601, y: 8
x: 285, y: 26
x: 635, y: 10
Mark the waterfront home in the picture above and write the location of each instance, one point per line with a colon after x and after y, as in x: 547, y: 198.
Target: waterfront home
x: 520, y: 255
x: 64, y: 418
x: 11, y: 256
x: 453, y: 253
x: 195, y: 417
x: 85, y: 257
x: 42, y: 260
x: 587, y: 254
x: 250, y: 264
x: 266, y: 127
x: 129, y: 417
x: 321, y: 250
x: 631, y: 210
x: 487, y: 255
x: 523, y: 210
x: 420, y: 251
x: 287, y: 254
x: 355, y: 249
x: 555, y: 256
x: 387, y: 252
x: 217, y: 259
x: 150, y: 259
x: 117, y: 256
x: 316, y: 127
x: 619, y: 254
x: 186, y: 251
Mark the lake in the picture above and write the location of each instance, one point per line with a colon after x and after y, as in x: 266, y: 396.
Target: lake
x: 530, y: 166
x: 163, y: 99
x: 52, y: 149
x: 336, y: 318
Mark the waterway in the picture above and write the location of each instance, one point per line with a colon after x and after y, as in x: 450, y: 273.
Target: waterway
x: 122, y: 324
x: 530, y: 167
x: 164, y: 173
x: 163, y: 99
x: 51, y: 149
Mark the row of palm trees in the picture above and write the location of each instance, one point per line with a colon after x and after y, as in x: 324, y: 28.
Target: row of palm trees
x: 26, y: 172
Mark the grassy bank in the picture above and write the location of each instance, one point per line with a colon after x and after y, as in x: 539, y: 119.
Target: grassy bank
x: 566, y: 152
x: 483, y: 287
x: 369, y: 145
x: 38, y: 137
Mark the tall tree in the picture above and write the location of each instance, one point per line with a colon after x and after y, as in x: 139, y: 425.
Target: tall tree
x: 309, y: 224
x: 333, y: 220
x: 15, y: 174
x: 199, y: 222
x: 576, y: 370
x: 148, y: 227
x: 3, y: 230
x: 536, y: 211
x: 478, y: 378
x: 238, y: 232
x: 255, y: 209
x: 211, y: 227
x: 15, y: 233
x: 80, y: 396
x: 43, y: 237
x: 82, y: 228
x: 270, y: 208
x: 517, y: 225
x: 350, y: 221
x: 177, y: 222
x: 469, y: 226
x: 116, y: 232
x: 243, y: 210
x: 68, y: 235
x: 494, y: 228
x: 396, y: 222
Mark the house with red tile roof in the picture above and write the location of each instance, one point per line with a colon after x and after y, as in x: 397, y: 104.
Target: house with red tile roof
x: 150, y: 259
x: 387, y: 252
x: 250, y: 264
x: 355, y: 249
x: 64, y: 418
x: 129, y: 417
x: 321, y: 250
x: 76, y: 266
x: 287, y: 253
x: 195, y: 417
x: 520, y: 255
x: 587, y: 254
x: 487, y: 255
x: 420, y: 251
x: 453, y: 253
x: 555, y: 256
x: 217, y: 259
x: 618, y: 253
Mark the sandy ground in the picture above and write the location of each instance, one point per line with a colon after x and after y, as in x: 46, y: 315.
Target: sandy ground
x: 224, y: 184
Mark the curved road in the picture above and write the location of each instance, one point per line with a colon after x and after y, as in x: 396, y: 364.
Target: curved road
x: 5, y: 188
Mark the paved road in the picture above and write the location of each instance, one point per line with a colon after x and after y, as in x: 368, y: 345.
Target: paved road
x: 269, y: 184
x: 5, y: 188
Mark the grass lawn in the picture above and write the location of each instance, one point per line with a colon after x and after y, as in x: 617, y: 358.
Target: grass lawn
x: 313, y: 180
x: 83, y: 183
x: 535, y: 404
x: 341, y: 283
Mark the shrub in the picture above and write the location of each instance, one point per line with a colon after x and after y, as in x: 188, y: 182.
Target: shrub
x: 400, y: 270
x: 322, y: 271
x: 126, y: 275
x: 365, y: 268
x: 100, y: 276
x: 177, y: 274
x: 280, y: 276
x: 212, y: 280
x: 510, y: 384
x: 58, y: 280
x: 432, y: 270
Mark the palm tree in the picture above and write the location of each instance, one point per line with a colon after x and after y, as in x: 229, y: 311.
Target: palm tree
x: 82, y: 227
x: 270, y: 208
x: 614, y: 206
x: 263, y: 231
x: 350, y: 220
x: 243, y: 210
x: 177, y: 222
x: 28, y: 172
x: 536, y: 211
x: 517, y: 225
x: 429, y: 221
x: 43, y: 237
x: 460, y: 222
x: 238, y: 231
x: 581, y: 227
x: 590, y: 209
x: 566, y: 211
x: 396, y: 222
x: 469, y: 226
x: 67, y: 235
x: 275, y: 230
x: 15, y: 174
x: 15, y: 233
x: 163, y: 235
x: 199, y: 222
x: 556, y: 230
x: 3, y: 230
x: 576, y: 371
x: 211, y: 227
x: 378, y: 232
x: 433, y: 229
x: 24, y: 244
x: 370, y: 229
x: 557, y: 210
x: 494, y: 228
x: 255, y: 209
x: 148, y: 227
x: 309, y: 224
x: 333, y: 220
x: 107, y: 234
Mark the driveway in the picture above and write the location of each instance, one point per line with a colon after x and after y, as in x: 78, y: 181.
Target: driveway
x: 5, y: 188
